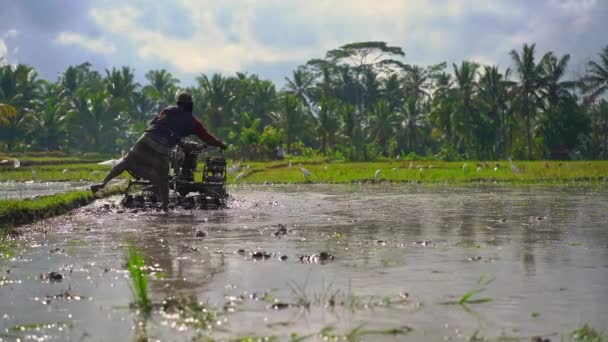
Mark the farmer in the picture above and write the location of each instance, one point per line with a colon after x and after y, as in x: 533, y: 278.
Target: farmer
x: 149, y: 157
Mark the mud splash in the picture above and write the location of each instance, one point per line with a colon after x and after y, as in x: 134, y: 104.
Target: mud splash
x: 320, y: 261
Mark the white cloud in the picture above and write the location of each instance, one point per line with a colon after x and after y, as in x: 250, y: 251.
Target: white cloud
x: 239, y: 35
x: 208, y: 47
x: 100, y: 45
x: 12, y: 33
x: 3, y: 52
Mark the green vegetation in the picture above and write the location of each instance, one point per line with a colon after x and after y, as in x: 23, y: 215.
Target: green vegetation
x: 17, y: 212
x: 588, y: 334
x: 432, y: 172
x: 357, y: 102
x: 139, y: 280
x: 56, y: 172
x: 328, y: 171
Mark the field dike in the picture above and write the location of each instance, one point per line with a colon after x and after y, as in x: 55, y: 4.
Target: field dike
x: 15, y: 212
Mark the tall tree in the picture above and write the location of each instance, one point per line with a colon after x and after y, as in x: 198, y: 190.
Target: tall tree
x: 527, y: 90
x: 493, y: 100
x: 466, y: 88
x: 596, y: 79
x: 19, y: 88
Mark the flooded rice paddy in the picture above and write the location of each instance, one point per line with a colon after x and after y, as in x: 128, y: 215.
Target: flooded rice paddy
x: 319, y: 262
x: 21, y: 190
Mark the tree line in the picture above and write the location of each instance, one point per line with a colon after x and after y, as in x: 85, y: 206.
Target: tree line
x: 360, y: 101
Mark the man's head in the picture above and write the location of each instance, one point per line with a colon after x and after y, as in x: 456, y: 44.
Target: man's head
x: 184, y: 100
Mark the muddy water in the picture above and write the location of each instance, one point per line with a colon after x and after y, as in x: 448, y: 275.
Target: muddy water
x: 19, y: 190
x: 401, y: 255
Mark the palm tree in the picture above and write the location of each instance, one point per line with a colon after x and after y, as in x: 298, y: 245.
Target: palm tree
x: 596, y: 80
x: 466, y: 87
x: 382, y: 123
x: 162, y: 88
x: 412, y: 122
x: 45, y: 124
x: 553, y: 88
x: 218, y: 99
x: 493, y: 100
x: 327, y: 123
x: 19, y: 88
x: 289, y: 116
x: 527, y: 91
x: 300, y: 85
x: 443, y: 104
x: 392, y: 91
x: 416, y: 83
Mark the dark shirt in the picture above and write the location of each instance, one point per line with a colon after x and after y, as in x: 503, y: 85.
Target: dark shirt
x: 174, y: 123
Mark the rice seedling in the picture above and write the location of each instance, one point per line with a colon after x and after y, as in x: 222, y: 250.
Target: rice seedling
x: 467, y: 297
x: 139, y: 280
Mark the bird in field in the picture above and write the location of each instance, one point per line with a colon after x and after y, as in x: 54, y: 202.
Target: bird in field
x: 377, y: 174
x: 16, y: 163
x: 239, y: 176
x: 514, y: 167
x: 111, y: 162
x: 305, y: 172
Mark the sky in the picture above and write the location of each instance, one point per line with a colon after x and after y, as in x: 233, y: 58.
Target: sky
x: 272, y: 37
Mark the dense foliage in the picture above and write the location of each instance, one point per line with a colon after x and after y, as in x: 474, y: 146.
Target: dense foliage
x: 359, y: 102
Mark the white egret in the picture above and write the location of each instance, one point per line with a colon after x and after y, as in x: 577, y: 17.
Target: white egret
x: 479, y: 168
x: 411, y: 165
x: 377, y: 174
x: 239, y: 176
x: 495, y: 168
x: 305, y: 172
x: 34, y: 174
x: 111, y: 162
x: 233, y: 169
x: 513, y: 166
x: 464, y: 166
x: 289, y: 165
x: 65, y: 171
x: 16, y: 163
x: 394, y: 169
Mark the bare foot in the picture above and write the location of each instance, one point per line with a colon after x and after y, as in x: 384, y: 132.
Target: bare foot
x: 96, y: 187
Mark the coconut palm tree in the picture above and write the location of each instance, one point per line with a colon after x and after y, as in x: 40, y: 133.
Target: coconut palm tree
x: 217, y: 98
x: 466, y: 88
x: 19, y: 89
x: 382, y: 124
x: 392, y: 91
x: 162, y: 88
x: 493, y: 101
x: 596, y: 80
x: 527, y: 90
x: 45, y: 124
x: 416, y: 83
x: 289, y: 116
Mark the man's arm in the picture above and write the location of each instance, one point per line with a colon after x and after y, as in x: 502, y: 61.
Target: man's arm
x: 204, y: 135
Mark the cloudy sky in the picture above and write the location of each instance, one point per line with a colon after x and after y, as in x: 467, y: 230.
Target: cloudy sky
x: 272, y: 37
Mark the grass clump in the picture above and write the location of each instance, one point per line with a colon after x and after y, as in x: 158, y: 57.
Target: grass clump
x: 588, y: 334
x: 17, y: 212
x: 139, y: 280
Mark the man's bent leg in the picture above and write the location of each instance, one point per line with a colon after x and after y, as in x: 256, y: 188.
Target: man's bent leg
x: 115, y: 172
